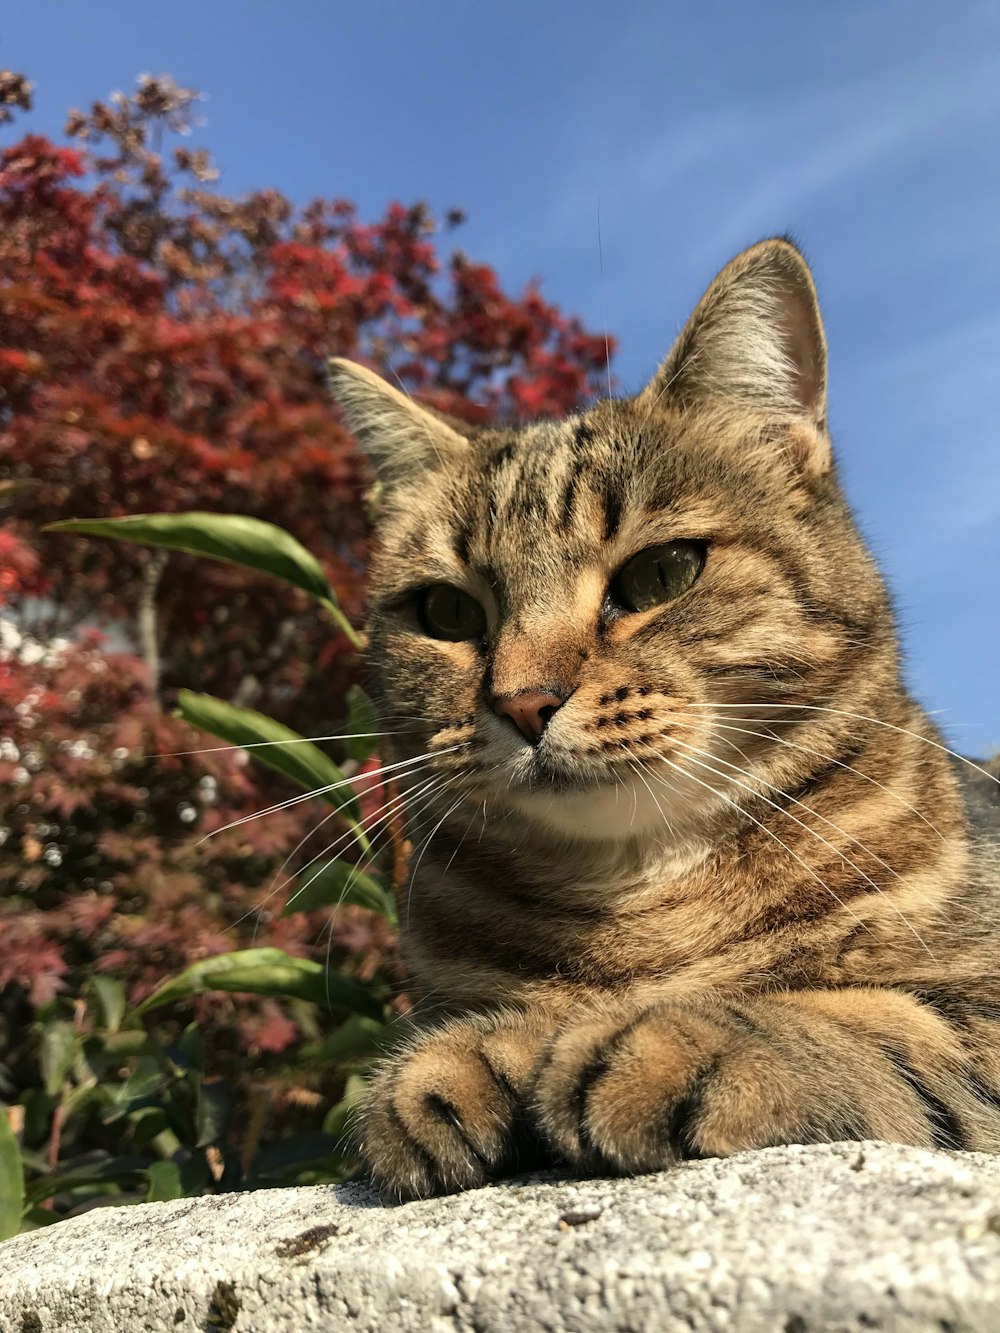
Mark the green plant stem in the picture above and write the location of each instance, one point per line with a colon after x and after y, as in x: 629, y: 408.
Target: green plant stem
x: 357, y: 640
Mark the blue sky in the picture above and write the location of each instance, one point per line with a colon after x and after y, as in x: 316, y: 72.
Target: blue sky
x: 869, y: 130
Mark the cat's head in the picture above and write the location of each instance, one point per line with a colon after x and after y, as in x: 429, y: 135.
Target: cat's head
x: 572, y: 615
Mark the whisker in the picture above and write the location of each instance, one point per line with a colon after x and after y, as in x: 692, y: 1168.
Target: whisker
x: 271, y: 810
x: 635, y: 806
x: 795, y: 801
x: 258, y: 745
x: 801, y: 823
x: 687, y: 774
x: 642, y: 778
x: 687, y: 363
x: 424, y: 794
x: 382, y: 815
x: 427, y: 843
x: 861, y: 717
x: 275, y: 887
x: 604, y: 309
x: 311, y: 833
x: 322, y: 791
x: 423, y: 424
x: 458, y: 845
x: 384, y: 835
x: 349, y: 835
x: 827, y: 758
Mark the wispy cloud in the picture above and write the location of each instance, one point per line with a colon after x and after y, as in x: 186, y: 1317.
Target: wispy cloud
x: 840, y: 133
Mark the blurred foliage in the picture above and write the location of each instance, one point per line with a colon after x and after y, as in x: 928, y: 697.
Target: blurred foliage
x: 173, y: 1018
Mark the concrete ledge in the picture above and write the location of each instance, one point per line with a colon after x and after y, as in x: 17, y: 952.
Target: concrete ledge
x: 838, y: 1237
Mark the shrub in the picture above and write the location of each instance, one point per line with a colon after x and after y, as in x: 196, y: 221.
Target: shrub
x: 161, y: 350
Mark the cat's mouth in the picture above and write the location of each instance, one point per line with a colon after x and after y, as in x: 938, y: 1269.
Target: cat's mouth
x: 548, y: 774
x: 545, y: 770
x: 583, y: 803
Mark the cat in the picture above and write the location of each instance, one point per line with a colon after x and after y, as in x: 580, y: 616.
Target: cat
x: 692, y: 870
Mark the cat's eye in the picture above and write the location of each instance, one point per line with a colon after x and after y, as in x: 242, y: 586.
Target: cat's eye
x: 658, y: 575
x: 449, y: 613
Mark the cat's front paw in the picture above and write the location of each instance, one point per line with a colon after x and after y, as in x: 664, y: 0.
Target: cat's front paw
x: 447, y: 1113
x: 672, y: 1082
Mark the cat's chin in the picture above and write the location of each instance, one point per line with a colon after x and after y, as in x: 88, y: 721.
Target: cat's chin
x: 603, y: 812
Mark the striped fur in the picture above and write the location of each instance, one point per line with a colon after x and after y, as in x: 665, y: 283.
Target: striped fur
x: 729, y: 899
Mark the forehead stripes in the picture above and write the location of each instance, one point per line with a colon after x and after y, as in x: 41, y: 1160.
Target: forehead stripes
x: 554, y: 480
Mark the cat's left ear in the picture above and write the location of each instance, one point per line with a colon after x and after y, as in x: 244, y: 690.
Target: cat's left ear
x: 403, y: 440
x: 755, y: 339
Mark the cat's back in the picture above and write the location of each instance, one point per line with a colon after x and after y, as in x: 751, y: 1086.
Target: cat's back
x: 981, y: 790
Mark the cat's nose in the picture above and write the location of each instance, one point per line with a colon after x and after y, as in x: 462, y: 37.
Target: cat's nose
x: 530, y: 711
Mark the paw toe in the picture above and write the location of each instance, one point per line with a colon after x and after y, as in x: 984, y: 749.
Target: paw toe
x: 437, y: 1122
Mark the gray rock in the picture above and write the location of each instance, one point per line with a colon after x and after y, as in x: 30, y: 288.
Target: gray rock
x: 839, y: 1237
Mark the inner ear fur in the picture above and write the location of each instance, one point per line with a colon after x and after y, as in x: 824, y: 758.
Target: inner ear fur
x: 402, y: 439
x: 755, y: 338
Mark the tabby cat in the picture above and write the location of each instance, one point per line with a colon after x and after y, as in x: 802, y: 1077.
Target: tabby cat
x: 691, y: 870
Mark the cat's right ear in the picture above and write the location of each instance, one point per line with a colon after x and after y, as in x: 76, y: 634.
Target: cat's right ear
x: 402, y: 439
x: 755, y: 338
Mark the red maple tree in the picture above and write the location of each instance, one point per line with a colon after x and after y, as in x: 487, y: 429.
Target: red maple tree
x: 162, y: 349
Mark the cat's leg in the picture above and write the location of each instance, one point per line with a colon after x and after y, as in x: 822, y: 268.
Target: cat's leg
x: 448, y: 1111
x: 637, y: 1088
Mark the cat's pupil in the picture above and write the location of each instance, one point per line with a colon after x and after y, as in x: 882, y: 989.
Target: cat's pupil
x: 449, y: 613
x: 658, y: 575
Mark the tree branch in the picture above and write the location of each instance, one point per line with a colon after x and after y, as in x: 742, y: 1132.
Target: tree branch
x: 154, y: 563
x: 251, y: 684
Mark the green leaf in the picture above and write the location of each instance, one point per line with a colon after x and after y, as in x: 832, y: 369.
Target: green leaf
x: 361, y: 724
x: 80, y: 1098
x: 37, y: 1217
x: 148, y: 1079
x: 356, y: 1039
x: 121, y: 1046
x: 267, y: 972
x: 196, y: 1176
x: 341, y: 1120
x: 59, y: 1045
x: 234, y: 538
x: 147, y: 1124
x: 110, y: 996
x: 135, y: 1108
x: 191, y: 1048
x: 10, y: 486
x: 294, y: 756
x: 38, y: 1107
x: 294, y: 1153
x: 216, y: 1099
x: 120, y: 1170
x: 336, y: 884
x: 164, y: 1182
x: 11, y: 1180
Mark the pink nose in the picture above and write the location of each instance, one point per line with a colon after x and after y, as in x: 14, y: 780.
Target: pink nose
x: 530, y: 711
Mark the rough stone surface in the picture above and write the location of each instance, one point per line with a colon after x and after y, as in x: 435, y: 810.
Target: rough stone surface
x: 841, y: 1237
